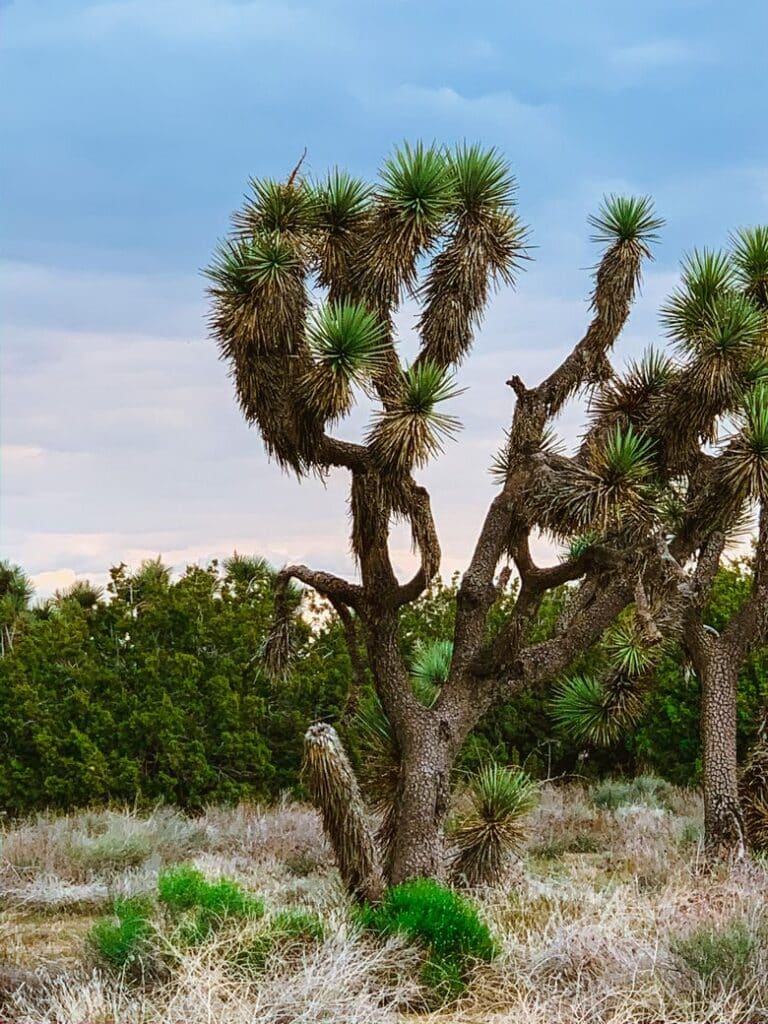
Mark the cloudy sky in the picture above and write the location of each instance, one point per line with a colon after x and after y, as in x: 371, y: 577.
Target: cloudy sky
x: 129, y: 130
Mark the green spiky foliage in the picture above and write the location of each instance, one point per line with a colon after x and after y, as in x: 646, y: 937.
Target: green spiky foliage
x: 595, y: 712
x: 285, y: 208
x: 613, y: 488
x: 81, y: 592
x: 430, y: 668
x: 342, y: 210
x: 628, y: 652
x: 598, y: 711
x: 491, y: 829
x: 706, y: 276
x: 412, y: 201
x: 413, y: 429
x: 627, y: 219
x: 482, y: 220
x: 579, y: 545
x: 745, y: 460
x: 628, y: 225
x: 723, y: 349
x: 247, y: 570
x: 346, y: 342
x: 631, y: 398
x: 336, y: 793
x: 750, y: 261
x: 753, y: 795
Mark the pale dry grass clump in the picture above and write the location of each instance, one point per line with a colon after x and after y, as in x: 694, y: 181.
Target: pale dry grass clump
x: 344, y: 981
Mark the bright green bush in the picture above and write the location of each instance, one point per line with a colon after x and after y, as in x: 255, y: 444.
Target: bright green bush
x: 718, y: 955
x: 446, y: 924
x: 184, y: 889
x: 122, y: 940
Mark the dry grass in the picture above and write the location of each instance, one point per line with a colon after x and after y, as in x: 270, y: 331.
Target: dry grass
x: 606, y: 920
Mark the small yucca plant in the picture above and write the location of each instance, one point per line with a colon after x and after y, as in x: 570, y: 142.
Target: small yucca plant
x: 492, y: 828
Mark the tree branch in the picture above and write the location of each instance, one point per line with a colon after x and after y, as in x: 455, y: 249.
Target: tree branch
x: 325, y: 583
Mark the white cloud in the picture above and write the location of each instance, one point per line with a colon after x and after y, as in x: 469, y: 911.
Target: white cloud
x: 661, y: 53
x: 502, y: 112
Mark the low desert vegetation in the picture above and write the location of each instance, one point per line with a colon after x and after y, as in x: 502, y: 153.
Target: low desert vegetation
x: 603, y: 917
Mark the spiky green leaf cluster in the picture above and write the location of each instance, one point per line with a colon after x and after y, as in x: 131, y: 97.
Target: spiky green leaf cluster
x: 82, y: 592
x: 745, y: 459
x: 632, y: 397
x: 16, y: 588
x: 590, y: 712
x: 626, y: 219
x: 413, y: 430
x: 612, y: 488
x: 347, y: 343
x: 491, y: 828
x: 285, y: 208
x: 482, y: 181
x: 629, y: 654
x: 342, y: 210
x: 416, y: 183
x: 431, y: 666
x: 706, y: 276
x: 750, y: 260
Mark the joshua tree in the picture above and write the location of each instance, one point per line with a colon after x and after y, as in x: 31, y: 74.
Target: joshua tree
x: 636, y: 502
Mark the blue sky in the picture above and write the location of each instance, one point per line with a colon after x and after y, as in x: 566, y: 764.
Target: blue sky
x: 129, y: 130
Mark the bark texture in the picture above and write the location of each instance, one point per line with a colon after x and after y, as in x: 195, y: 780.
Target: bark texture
x: 724, y: 831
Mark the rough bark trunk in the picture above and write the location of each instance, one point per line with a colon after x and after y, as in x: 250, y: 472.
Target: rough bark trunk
x: 418, y: 843
x: 724, y: 833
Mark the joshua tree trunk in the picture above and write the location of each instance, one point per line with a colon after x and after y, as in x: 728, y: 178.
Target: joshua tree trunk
x: 422, y: 803
x: 724, y: 824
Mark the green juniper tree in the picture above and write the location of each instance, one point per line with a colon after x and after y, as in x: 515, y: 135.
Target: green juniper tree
x: 640, y: 498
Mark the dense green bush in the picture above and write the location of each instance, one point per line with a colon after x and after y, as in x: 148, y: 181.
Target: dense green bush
x: 201, y: 907
x: 156, y: 693
x: 446, y: 924
x: 194, y: 907
x: 122, y: 940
